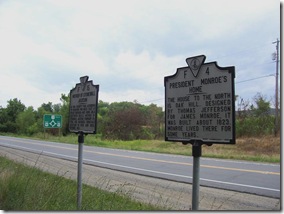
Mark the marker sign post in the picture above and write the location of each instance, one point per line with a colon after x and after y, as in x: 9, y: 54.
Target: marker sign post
x: 83, y: 120
x: 200, y: 108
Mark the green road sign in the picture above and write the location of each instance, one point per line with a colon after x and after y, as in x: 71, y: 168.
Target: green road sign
x: 52, y: 121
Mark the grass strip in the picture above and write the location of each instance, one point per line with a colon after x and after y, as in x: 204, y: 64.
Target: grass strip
x: 24, y: 188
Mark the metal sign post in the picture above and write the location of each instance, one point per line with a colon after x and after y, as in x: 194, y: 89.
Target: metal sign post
x: 200, y: 109
x: 79, y: 173
x: 196, y: 153
x: 83, y: 120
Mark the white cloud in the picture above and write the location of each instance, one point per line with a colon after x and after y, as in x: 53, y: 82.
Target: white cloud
x: 18, y: 87
x: 142, y: 96
x: 130, y: 45
x: 150, y: 68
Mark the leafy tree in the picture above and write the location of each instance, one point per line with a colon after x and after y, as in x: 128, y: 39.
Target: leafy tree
x: 256, y: 120
x: 154, y: 121
x: 3, y: 119
x: 14, y: 107
x: 9, y: 114
x: 123, y: 124
x: 64, y: 111
x: 47, y: 107
x: 56, y: 108
x: 26, y: 121
x: 41, y: 111
x: 262, y: 106
x: 103, y: 110
x: 128, y: 121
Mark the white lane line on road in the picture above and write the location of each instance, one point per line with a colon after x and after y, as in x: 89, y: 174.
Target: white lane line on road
x: 144, y: 170
x: 242, y: 185
x: 241, y: 162
x: 183, y: 176
x: 158, y: 160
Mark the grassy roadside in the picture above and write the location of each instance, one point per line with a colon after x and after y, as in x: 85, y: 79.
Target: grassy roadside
x: 29, y: 189
x: 261, y: 149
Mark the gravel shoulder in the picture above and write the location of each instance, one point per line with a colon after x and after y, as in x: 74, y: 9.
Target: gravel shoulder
x: 159, y: 192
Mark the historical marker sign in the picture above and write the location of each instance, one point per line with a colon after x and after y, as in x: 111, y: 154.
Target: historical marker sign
x: 52, y: 121
x: 200, y: 103
x: 83, y: 107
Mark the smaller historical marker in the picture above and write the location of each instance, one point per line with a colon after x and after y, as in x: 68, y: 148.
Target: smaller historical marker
x: 83, y: 120
x: 200, y: 103
x: 52, y: 121
x: 83, y: 107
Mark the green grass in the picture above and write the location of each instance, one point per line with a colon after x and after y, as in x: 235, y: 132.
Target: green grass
x: 29, y: 189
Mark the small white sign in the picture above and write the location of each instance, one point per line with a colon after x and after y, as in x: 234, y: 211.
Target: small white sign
x: 200, y: 103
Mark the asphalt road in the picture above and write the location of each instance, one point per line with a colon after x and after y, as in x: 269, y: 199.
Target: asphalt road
x: 248, y: 177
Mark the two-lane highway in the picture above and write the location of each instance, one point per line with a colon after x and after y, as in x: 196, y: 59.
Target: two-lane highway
x: 250, y: 177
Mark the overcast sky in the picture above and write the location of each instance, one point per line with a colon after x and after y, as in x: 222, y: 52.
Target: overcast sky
x: 129, y: 46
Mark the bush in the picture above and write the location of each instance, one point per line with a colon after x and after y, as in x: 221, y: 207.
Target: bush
x: 254, y: 126
x: 33, y: 129
x: 146, y: 133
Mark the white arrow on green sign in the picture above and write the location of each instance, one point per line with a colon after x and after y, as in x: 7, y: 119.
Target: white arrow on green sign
x: 52, y: 121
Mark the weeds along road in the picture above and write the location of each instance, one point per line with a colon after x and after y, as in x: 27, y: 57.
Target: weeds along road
x: 239, y: 176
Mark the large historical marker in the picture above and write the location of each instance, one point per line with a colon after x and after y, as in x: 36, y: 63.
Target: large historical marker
x: 200, y: 109
x: 200, y: 103
x: 83, y: 107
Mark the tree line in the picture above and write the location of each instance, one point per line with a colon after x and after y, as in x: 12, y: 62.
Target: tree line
x: 127, y: 120
x: 118, y: 120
